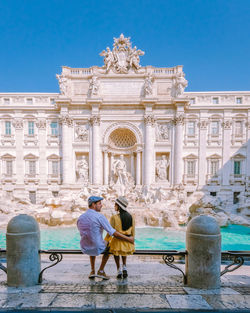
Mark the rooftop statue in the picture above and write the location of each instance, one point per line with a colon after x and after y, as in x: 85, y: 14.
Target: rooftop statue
x: 123, y: 57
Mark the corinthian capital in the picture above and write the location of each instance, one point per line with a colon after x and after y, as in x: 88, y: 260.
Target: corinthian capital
x: 179, y: 119
x: 227, y: 124
x: 18, y: 123
x: 149, y: 120
x: 66, y: 120
x: 95, y: 120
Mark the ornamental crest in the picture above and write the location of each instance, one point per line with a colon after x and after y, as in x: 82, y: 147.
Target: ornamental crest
x: 123, y: 57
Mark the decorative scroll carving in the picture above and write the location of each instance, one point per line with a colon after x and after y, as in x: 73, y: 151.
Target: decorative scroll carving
x: 41, y: 124
x: 66, y: 120
x: 95, y: 120
x: 203, y: 124
x: 149, y: 120
x: 123, y: 57
x: 179, y: 119
x: 81, y: 132
x: 18, y: 123
x: 227, y: 124
x: 93, y: 86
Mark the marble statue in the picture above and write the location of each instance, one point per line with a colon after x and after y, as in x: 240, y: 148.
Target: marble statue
x: 62, y: 84
x: 180, y: 83
x: 83, y: 169
x: 148, y: 85
x: 93, y: 86
x: 163, y: 132
x: 120, y: 171
x: 81, y: 133
x: 161, y: 168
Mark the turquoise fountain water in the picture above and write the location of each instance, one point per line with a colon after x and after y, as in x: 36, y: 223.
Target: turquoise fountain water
x: 234, y: 237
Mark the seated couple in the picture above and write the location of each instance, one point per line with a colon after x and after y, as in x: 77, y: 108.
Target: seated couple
x: 119, y: 239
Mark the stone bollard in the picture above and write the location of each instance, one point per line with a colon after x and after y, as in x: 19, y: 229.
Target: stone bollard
x: 203, y: 261
x: 23, y: 258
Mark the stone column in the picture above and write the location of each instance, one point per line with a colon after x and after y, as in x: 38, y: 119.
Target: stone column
x: 202, y: 153
x: 149, y: 165
x: 67, y: 156
x: 248, y: 153
x: 96, y: 152
x: 226, y: 164
x: 178, y: 147
x: 41, y: 125
x: 132, y: 164
x: 138, y: 167
x: 106, y: 168
x: 20, y: 170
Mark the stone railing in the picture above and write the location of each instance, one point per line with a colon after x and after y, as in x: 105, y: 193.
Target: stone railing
x: 164, y: 71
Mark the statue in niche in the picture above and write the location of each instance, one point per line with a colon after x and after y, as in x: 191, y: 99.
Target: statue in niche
x: 83, y: 169
x: 62, y: 84
x: 180, y: 83
x: 93, y: 86
x: 148, y: 86
x: 163, y: 132
x: 161, y: 168
x: 81, y: 133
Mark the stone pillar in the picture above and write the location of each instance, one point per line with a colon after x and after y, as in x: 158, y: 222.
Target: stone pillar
x: 23, y: 245
x: 149, y: 166
x: 96, y: 152
x: 202, y: 170
x: 106, y: 168
x: 111, y: 168
x: 132, y: 164
x: 138, y: 168
x: 203, y: 260
x: 248, y: 152
x: 41, y: 125
x: 226, y: 164
x: 67, y: 155
x: 20, y: 170
x: 178, y: 147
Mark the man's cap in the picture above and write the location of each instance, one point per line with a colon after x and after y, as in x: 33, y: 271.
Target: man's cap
x: 122, y: 202
x: 94, y: 199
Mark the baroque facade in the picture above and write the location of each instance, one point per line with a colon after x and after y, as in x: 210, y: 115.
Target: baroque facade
x: 125, y: 126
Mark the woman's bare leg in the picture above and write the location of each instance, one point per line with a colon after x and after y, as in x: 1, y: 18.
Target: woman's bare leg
x: 117, y: 261
x: 92, y: 262
x: 124, y: 260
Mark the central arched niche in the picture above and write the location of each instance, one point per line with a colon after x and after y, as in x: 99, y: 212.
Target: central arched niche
x: 122, y: 138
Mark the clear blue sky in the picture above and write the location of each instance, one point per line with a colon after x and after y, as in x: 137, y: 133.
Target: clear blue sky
x: 210, y: 38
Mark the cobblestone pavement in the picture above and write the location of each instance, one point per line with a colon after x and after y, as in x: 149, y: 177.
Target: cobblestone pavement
x: 151, y: 286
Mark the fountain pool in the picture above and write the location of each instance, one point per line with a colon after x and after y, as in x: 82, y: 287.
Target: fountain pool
x: 234, y: 237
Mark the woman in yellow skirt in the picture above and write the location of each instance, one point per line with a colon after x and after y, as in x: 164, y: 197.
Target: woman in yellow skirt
x: 124, y: 223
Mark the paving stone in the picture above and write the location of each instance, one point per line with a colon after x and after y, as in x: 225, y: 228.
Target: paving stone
x: 222, y: 290
x: 243, y: 290
x: 23, y: 300
x: 69, y: 301
x: 191, y: 302
x: 5, y: 289
x: 228, y: 301
x: 131, y: 301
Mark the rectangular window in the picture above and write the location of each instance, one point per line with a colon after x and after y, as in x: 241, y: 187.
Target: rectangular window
x: 54, y: 128
x: 7, y: 128
x: 215, y: 100
x: 214, y: 167
x: 213, y: 193
x: 55, y: 168
x: 192, y: 101
x: 191, y: 128
x: 55, y: 194
x: 32, y: 167
x: 236, y: 197
x: 32, y: 196
x: 237, y: 167
x: 52, y: 101
x: 239, y: 100
x: 9, y: 168
x: 238, y: 128
x: 215, y: 128
x: 190, y: 168
x: 31, y: 130
x: 6, y: 101
x: 29, y: 101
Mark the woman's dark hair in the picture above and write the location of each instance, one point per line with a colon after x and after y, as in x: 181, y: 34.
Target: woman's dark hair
x: 126, y: 218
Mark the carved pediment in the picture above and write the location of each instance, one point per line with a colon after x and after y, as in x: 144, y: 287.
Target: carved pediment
x: 7, y: 156
x: 30, y: 156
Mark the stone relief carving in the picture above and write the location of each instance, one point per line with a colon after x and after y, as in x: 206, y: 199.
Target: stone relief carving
x: 93, y: 87
x: 18, y: 99
x: 162, y: 168
x: 82, y: 169
x: 66, y: 120
x: 123, y: 57
x: 41, y: 99
x: 227, y: 124
x: 203, y: 124
x: 18, y: 123
x: 179, y: 85
x: 41, y: 124
x: 163, y: 131
x: 148, y: 86
x: 81, y: 132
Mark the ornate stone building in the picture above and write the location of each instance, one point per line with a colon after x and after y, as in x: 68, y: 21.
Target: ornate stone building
x: 124, y: 126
